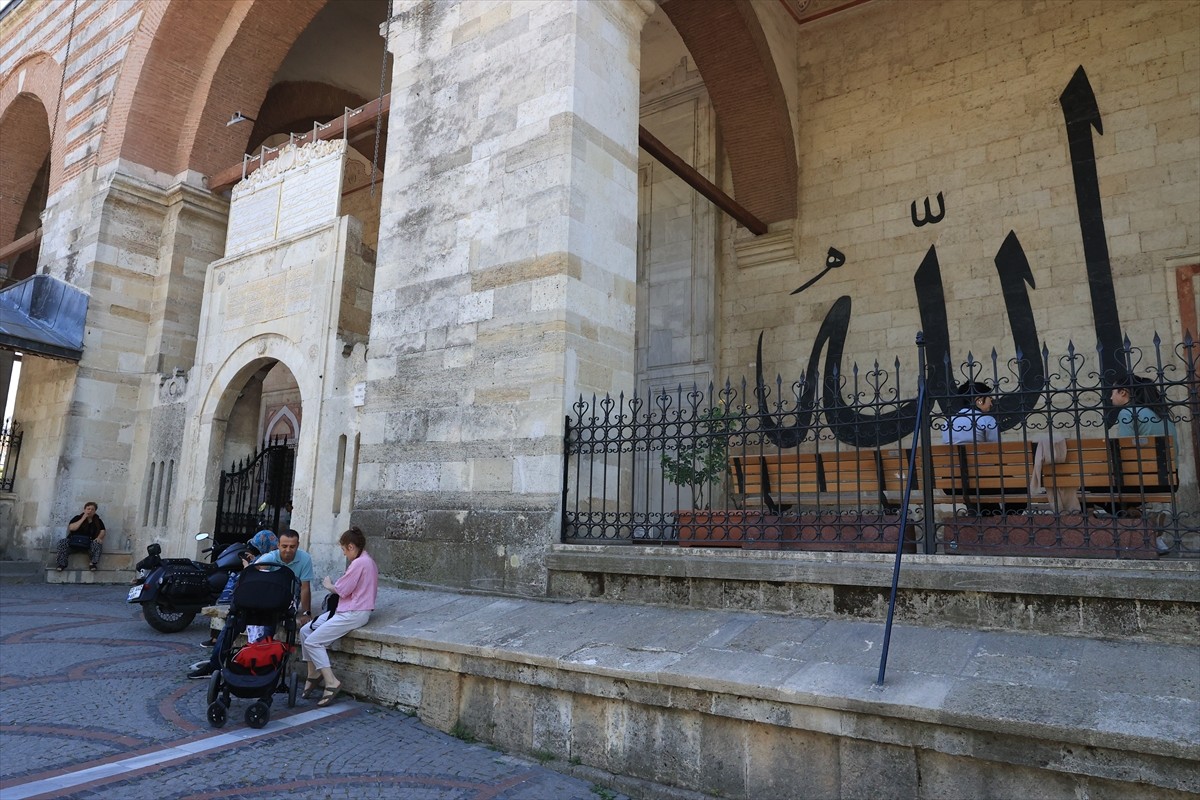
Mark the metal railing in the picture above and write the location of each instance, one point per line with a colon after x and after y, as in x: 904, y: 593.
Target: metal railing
x: 820, y: 463
x: 10, y: 453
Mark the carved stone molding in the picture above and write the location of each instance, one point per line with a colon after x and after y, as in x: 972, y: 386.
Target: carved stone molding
x: 290, y: 157
x: 777, y: 246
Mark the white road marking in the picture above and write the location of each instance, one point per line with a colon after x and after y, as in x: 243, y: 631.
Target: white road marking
x: 62, y: 783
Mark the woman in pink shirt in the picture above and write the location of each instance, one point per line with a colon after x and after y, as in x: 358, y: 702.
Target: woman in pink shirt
x: 356, y: 590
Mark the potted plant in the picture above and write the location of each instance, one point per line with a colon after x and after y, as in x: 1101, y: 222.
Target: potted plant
x: 698, y: 462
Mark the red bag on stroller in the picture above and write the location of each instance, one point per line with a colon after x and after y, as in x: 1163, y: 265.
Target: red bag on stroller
x: 264, y: 655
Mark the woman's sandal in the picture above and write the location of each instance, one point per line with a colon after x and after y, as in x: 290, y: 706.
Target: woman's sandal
x: 312, y: 688
x: 329, y: 695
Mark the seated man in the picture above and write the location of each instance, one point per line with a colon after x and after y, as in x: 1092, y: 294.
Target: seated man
x: 87, y: 524
x: 291, y: 556
x: 974, y: 421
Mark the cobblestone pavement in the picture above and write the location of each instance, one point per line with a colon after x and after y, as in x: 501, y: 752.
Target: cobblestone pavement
x: 94, y: 704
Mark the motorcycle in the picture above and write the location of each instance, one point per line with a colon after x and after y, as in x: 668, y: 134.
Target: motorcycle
x: 172, y: 591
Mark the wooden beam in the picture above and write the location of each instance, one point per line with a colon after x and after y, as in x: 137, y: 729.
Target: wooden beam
x: 360, y: 120
x: 26, y: 242
x: 700, y: 183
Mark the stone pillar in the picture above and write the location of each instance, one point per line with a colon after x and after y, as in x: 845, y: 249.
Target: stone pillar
x: 140, y: 251
x: 506, y: 277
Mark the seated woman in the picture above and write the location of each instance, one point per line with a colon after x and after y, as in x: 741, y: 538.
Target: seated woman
x: 356, y: 590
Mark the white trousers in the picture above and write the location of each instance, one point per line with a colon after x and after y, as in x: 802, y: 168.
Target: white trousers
x: 324, y: 630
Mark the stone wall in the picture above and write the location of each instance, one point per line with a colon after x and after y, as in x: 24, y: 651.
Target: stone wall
x: 506, y: 277
x: 898, y: 104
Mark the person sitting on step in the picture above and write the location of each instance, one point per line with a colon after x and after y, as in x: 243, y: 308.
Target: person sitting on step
x: 85, y: 530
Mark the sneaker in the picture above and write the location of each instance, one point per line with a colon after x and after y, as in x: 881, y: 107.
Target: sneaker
x: 208, y: 643
x: 200, y: 673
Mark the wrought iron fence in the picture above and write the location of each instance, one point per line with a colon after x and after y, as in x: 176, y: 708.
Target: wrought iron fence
x: 254, y: 493
x: 10, y: 453
x: 1044, y: 456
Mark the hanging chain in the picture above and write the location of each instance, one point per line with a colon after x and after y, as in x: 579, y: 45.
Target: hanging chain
x: 387, y: 32
x: 63, y: 79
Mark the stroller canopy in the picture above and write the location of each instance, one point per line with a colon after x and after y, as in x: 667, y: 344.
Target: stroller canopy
x: 265, y: 587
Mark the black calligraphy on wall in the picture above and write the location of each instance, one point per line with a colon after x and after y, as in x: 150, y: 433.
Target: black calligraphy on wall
x: 1081, y: 115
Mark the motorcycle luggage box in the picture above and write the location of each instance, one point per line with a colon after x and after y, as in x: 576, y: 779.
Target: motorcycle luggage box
x: 182, y: 584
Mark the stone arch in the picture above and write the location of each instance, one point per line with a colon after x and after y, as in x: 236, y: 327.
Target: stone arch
x: 283, y: 416
x: 28, y: 101
x: 216, y: 405
x: 247, y: 359
x: 239, y: 45
x: 729, y: 47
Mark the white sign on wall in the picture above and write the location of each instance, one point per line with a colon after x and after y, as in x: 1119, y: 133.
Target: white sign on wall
x: 299, y: 190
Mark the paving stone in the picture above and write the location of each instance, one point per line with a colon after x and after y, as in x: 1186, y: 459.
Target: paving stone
x: 85, y: 683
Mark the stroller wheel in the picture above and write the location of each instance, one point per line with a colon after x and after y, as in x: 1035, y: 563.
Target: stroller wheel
x: 214, y: 687
x: 258, y: 715
x: 293, y: 685
x: 216, y: 714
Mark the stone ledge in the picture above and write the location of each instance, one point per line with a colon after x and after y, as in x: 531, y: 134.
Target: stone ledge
x: 1067, y: 597
x: 1177, y: 581
x: 617, y: 687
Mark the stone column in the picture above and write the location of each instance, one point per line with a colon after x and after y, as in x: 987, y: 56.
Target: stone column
x: 140, y: 251
x: 506, y: 277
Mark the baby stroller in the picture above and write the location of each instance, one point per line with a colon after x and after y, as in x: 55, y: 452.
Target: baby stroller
x: 263, y: 595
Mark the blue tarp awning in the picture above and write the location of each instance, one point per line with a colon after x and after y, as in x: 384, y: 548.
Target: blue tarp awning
x: 43, y: 316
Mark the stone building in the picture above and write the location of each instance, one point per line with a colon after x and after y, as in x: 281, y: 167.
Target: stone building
x: 516, y: 248
x: 404, y: 236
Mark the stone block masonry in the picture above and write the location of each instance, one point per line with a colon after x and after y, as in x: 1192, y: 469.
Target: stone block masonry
x: 505, y: 281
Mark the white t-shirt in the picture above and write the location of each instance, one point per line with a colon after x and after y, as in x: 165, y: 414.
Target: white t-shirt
x: 969, y: 426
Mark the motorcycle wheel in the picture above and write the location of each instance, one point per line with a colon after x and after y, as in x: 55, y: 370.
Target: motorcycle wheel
x: 166, y: 621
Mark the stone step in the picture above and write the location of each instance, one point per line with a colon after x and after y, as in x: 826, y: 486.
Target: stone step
x: 115, y: 567
x: 101, y: 575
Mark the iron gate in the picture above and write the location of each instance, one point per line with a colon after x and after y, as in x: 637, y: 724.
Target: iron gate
x: 254, y: 491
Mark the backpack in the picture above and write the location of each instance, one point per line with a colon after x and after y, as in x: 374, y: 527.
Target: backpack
x: 262, y: 656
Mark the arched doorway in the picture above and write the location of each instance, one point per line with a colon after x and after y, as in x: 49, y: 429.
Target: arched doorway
x: 259, y: 454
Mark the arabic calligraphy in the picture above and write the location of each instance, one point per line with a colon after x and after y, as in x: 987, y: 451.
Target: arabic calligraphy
x: 1016, y: 279
x: 930, y: 218
x: 833, y: 259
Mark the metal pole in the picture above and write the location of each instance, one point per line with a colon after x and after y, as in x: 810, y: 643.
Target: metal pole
x: 912, y: 466
x: 928, y: 527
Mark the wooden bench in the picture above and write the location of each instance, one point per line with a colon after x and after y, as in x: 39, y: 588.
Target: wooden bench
x: 985, y: 473
x: 846, y: 477
x: 764, y: 479
x: 1123, y: 472
x: 1126, y: 471
x: 831, y: 501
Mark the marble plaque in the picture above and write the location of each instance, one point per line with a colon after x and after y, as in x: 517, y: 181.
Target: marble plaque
x: 299, y: 190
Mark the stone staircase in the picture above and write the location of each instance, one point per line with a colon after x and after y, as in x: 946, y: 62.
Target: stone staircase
x: 116, y: 566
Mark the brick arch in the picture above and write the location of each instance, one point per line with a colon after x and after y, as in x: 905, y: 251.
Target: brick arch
x: 730, y: 50
x: 28, y: 99
x: 192, y: 65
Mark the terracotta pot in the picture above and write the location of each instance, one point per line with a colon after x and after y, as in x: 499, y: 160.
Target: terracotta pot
x: 1063, y: 536
x: 865, y: 532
